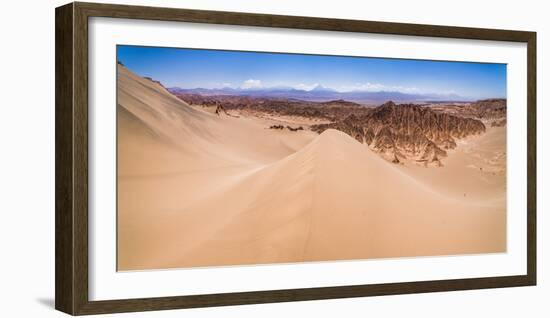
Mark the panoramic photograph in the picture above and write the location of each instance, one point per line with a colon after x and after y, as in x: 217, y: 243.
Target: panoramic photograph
x: 229, y: 158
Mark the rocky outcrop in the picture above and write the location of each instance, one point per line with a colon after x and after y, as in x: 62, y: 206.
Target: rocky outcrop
x: 487, y: 109
x: 407, y: 131
x: 499, y: 123
x: 221, y: 110
x: 153, y: 80
x: 281, y: 127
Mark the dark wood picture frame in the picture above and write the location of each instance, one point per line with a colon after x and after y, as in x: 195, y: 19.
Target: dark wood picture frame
x: 71, y: 158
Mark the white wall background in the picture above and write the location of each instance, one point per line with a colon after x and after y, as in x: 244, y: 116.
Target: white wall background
x: 27, y: 158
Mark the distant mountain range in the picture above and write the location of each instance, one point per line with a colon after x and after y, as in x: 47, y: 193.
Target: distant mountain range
x: 321, y: 93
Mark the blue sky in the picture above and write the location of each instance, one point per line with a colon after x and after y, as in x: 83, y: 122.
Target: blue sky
x: 194, y: 68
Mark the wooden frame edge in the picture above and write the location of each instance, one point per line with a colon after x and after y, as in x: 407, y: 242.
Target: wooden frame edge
x: 290, y: 295
x: 64, y: 236
x: 532, y: 158
x: 71, y: 90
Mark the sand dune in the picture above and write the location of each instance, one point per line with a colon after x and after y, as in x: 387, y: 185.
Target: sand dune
x: 197, y: 189
x: 199, y: 135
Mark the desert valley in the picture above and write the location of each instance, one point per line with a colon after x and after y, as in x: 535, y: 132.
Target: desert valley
x: 227, y: 179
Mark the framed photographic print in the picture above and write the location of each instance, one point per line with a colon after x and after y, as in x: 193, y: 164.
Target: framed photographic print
x: 211, y: 158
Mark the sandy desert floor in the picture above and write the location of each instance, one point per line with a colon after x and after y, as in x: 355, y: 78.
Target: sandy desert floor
x: 197, y: 189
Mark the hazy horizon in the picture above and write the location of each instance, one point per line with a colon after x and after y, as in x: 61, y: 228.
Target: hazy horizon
x: 242, y: 70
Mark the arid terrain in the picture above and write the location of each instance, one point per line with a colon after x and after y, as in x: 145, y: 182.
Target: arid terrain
x: 232, y: 180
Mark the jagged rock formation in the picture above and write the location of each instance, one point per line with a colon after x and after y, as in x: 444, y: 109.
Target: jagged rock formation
x: 492, y: 112
x: 487, y: 109
x: 407, y: 131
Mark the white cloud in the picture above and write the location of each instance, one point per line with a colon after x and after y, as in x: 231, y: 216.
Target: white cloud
x: 251, y: 83
x: 306, y: 87
x: 357, y: 87
x: 377, y: 87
